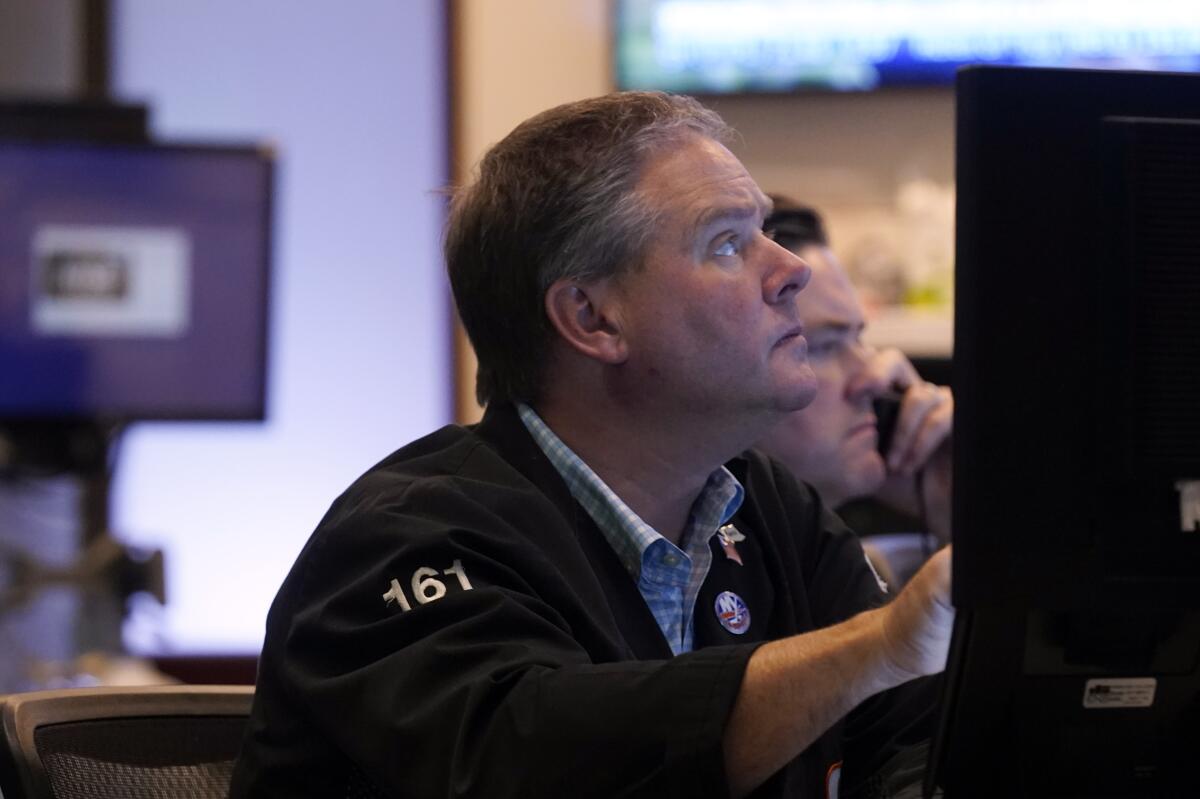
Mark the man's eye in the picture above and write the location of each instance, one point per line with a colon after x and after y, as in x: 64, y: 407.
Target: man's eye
x: 727, y: 247
x: 820, y: 348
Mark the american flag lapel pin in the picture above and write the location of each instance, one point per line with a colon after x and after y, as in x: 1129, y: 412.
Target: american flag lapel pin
x: 729, y: 536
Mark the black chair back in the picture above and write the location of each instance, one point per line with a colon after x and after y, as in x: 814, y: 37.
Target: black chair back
x: 122, y: 743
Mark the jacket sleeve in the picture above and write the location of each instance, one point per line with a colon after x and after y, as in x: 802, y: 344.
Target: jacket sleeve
x: 440, y: 651
x: 885, y: 739
x: 890, y: 729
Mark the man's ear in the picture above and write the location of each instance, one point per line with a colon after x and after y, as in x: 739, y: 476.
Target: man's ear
x: 586, y: 316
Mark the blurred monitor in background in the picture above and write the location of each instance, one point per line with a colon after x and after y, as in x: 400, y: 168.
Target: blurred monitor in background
x: 739, y: 46
x: 134, y: 285
x: 133, y: 281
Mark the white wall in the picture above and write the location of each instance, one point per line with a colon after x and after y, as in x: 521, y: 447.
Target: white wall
x: 353, y: 95
x: 516, y: 58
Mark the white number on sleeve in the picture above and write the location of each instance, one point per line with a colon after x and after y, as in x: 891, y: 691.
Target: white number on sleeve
x: 425, y: 586
x: 457, y: 571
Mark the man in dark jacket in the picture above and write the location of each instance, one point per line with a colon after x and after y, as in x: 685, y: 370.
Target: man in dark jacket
x: 597, y: 591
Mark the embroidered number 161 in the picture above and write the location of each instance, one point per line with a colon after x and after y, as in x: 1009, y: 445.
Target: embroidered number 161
x: 425, y: 585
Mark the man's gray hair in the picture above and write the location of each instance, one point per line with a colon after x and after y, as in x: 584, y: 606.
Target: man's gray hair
x: 556, y: 198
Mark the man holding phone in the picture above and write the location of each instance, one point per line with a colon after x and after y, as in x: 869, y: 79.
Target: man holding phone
x: 835, y: 443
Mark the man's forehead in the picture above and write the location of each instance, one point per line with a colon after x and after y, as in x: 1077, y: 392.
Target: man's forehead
x: 701, y: 181
x: 732, y: 206
x: 829, y: 300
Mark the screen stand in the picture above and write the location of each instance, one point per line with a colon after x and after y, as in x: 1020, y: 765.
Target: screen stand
x: 65, y: 578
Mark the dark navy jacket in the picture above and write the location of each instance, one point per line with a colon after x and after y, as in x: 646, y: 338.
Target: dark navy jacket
x: 457, y: 626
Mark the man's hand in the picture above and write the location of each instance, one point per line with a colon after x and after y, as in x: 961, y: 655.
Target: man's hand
x: 921, y: 441
x: 917, y: 623
x: 796, y: 688
x: 924, y: 425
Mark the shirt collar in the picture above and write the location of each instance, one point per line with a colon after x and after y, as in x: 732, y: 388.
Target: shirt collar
x: 625, y: 531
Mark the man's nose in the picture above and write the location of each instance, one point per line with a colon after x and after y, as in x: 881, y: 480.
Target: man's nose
x: 863, y: 383
x: 787, y: 276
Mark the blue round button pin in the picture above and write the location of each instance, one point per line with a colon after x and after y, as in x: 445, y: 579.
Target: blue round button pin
x: 732, y: 612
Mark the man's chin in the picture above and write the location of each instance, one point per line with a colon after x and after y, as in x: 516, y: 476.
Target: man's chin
x: 868, y: 475
x: 801, y: 396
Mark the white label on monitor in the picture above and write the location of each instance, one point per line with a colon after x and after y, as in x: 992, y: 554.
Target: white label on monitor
x: 110, y: 281
x: 1119, y: 692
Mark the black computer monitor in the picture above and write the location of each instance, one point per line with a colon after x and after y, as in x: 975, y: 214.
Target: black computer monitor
x: 80, y: 120
x: 133, y: 281
x: 1073, y: 669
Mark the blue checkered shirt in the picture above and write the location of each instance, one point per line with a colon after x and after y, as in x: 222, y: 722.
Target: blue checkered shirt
x: 669, y: 578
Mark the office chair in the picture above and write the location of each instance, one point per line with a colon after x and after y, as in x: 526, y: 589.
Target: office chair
x: 122, y: 743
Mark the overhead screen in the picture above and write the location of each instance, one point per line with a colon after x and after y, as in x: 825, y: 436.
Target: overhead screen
x: 133, y: 281
x: 735, y: 46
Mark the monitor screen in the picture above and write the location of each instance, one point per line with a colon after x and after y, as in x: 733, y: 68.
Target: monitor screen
x: 1074, y: 665
x: 736, y: 46
x: 133, y: 281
